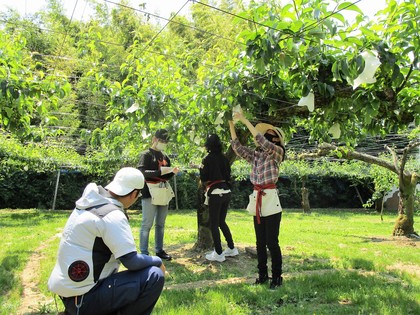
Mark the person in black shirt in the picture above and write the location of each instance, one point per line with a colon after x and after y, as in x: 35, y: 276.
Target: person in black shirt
x: 215, y: 175
x: 156, y: 168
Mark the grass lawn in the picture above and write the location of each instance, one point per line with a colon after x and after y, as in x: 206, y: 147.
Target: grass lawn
x: 334, y: 262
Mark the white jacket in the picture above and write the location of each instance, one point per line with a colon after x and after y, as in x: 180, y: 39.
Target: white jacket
x: 93, y: 238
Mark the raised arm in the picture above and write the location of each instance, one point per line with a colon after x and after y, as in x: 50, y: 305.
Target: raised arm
x: 232, y: 130
x: 246, y: 122
x: 239, y: 149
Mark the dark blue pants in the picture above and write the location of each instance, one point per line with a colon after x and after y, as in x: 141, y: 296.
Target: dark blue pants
x: 125, y: 293
x: 218, y: 207
x: 267, y: 234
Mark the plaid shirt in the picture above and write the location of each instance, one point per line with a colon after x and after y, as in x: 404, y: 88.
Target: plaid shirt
x: 265, y: 160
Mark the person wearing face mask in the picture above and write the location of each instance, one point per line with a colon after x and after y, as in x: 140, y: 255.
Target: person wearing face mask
x: 264, y: 202
x: 157, y: 170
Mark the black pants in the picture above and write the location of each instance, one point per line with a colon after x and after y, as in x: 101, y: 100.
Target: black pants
x: 267, y: 234
x: 218, y: 207
x: 125, y: 293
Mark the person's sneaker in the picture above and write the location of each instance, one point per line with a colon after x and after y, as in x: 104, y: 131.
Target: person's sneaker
x: 230, y: 252
x: 261, y: 279
x: 214, y: 256
x: 276, y: 282
x: 163, y: 255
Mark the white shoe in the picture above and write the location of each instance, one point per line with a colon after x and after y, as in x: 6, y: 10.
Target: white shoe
x: 214, y: 256
x: 230, y: 252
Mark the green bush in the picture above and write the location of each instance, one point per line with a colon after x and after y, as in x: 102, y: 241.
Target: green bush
x: 28, y: 178
x: 31, y: 189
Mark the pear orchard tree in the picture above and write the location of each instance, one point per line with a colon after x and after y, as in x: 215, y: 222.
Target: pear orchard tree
x: 305, y: 66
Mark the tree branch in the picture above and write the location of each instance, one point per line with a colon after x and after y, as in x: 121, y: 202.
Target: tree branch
x: 394, y: 158
x: 329, y: 149
x: 407, y: 76
x: 407, y: 150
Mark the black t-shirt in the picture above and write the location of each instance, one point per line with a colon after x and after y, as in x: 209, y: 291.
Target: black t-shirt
x: 216, y: 167
x: 149, y: 164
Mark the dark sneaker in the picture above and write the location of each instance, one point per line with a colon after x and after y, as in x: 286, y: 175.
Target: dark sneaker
x: 276, y: 282
x: 261, y: 279
x: 163, y: 255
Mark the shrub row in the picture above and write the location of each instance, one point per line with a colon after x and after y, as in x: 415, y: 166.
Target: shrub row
x: 30, y: 189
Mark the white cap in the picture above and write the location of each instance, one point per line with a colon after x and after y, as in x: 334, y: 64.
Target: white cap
x: 125, y: 181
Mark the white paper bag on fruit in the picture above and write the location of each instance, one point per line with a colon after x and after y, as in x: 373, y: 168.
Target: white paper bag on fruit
x: 236, y: 109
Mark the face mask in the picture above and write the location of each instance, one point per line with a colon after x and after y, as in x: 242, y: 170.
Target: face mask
x: 271, y: 138
x: 161, y: 146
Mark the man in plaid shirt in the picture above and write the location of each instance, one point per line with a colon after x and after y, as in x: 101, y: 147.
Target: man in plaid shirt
x: 264, y: 202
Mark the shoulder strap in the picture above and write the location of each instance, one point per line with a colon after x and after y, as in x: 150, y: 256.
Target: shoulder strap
x: 102, y: 210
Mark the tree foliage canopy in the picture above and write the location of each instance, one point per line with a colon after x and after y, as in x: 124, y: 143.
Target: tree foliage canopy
x: 109, y: 82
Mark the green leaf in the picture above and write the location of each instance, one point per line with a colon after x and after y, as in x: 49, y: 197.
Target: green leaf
x: 339, y: 17
x: 408, y: 50
x: 353, y: 40
x: 316, y: 32
x: 349, y: 6
x: 322, y: 88
x: 15, y: 93
x: 260, y: 65
x: 344, y: 68
x: 330, y: 90
x: 336, y: 71
x: 395, y: 73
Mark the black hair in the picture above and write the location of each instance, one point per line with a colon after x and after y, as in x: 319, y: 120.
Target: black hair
x: 162, y: 134
x: 213, y: 143
x: 270, y: 137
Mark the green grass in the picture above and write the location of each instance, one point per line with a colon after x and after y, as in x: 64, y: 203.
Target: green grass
x: 335, y: 262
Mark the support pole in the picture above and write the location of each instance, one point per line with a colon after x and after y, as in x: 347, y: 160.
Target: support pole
x: 176, y: 193
x: 56, y: 189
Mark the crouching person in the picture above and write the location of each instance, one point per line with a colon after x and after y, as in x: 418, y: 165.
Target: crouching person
x: 96, y: 238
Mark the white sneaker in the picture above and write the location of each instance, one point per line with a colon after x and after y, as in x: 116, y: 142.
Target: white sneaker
x: 230, y: 252
x: 214, y: 256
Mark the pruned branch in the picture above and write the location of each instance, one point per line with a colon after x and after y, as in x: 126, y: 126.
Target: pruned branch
x: 407, y: 150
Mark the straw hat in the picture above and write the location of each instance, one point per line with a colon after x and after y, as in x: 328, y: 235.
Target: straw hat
x: 263, y: 127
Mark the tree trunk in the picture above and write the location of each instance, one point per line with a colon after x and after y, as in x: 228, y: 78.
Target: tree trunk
x: 407, y: 180
x: 404, y: 226
x: 305, y: 200
x: 204, y: 238
x: 379, y: 204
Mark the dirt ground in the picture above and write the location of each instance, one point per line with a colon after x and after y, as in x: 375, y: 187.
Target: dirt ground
x: 33, y: 301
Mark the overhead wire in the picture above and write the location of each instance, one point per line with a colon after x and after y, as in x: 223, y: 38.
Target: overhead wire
x: 117, y: 44
x: 305, y: 29
x: 273, y: 28
x: 196, y: 29
x: 68, y: 30
x: 171, y: 20
x: 198, y: 2
x: 288, y: 36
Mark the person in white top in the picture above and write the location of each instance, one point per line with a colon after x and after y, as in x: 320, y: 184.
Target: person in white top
x: 96, y: 239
